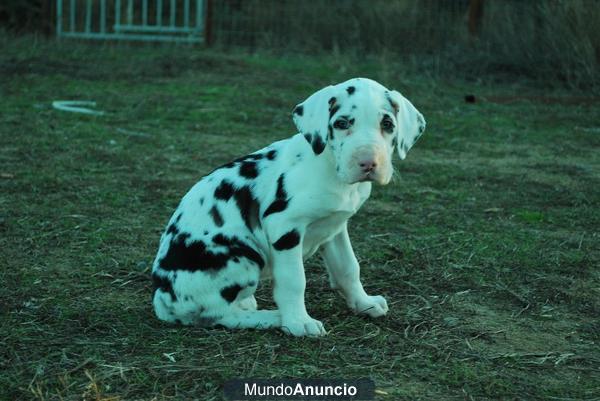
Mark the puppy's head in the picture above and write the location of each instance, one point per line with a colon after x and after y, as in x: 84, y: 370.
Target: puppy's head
x: 361, y: 122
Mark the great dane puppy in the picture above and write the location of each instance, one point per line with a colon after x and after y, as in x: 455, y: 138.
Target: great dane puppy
x: 264, y: 213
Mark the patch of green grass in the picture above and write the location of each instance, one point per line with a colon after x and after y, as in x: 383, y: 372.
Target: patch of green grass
x: 485, y: 245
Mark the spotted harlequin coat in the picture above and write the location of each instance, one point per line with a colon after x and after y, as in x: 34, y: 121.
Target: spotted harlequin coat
x: 265, y: 213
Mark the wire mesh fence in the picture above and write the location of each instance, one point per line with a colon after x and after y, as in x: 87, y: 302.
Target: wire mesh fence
x: 556, y: 39
x: 324, y: 24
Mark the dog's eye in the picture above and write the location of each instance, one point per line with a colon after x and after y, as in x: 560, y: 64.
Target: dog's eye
x: 387, y: 124
x: 342, y: 123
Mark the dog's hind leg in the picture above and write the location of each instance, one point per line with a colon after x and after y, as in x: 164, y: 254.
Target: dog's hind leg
x: 237, y: 318
x: 248, y: 303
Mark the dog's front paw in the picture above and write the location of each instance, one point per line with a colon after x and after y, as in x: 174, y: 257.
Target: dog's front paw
x: 304, y: 326
x: 373, y: 306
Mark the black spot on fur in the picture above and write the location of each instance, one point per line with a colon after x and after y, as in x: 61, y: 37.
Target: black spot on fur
x: 216, y: 216
x: 173, y: 229
x: 227, y: 165
x: 333, y: 110
x: 277, y: 206
x: 248, y: 170
x: 350, y: 90
x: 192, y: 257
x: 249, y: 207
x: 230, y: 293
x: 271, y: 154
x: 318, y: 145
x: 253, y: 156
x: 308, y: 138
x: 195, y: 256
x: 287, y: 241
x: 163, y: 284
x: 201, y: 201
x: 280, y: 193
x: 330, y: 131
x: 299, y: 110
x: 224, y: 191
x: 238, y: 248
x: 280, y: 203
x: 333, y: 107
x: 394, y: 104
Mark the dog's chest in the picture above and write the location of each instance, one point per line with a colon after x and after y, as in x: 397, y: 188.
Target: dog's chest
x: 323, y: 230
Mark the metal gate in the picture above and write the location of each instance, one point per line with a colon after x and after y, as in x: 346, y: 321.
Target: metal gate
x: 142, y: 20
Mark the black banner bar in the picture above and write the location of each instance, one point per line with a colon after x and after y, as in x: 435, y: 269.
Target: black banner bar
x: 299, y: 389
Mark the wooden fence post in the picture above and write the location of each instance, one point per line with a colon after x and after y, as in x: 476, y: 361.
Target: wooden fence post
x: 48, y: 17
x: 208, y: 25
x: 475, y: 16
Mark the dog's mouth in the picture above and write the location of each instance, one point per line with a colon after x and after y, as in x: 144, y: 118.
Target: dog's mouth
x: 378, y: 177
x: 367, y: 177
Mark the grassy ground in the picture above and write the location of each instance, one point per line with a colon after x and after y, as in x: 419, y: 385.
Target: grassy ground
x: 486, y: 245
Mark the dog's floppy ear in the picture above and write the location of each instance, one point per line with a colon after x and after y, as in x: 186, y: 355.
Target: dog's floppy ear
x: 312, y: 116
x: 411, y: 123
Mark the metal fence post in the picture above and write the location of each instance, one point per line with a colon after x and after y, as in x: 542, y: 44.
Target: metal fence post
x: 59, y: 9
x: 102, y: 20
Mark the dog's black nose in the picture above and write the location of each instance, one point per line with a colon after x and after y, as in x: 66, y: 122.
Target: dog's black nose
x: 367, y: 165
